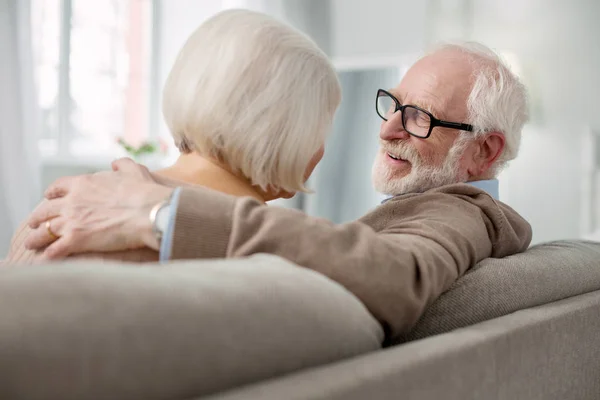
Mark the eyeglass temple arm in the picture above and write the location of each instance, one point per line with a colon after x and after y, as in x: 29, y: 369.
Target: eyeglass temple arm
x: 455, y: 125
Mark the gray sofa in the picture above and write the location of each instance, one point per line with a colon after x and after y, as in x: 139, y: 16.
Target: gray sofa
x: 524, y: 327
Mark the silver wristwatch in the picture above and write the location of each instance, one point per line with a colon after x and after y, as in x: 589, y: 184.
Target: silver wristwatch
x: 159, y: 218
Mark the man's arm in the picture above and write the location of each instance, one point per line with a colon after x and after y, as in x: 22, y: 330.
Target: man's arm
x: 396, y: 260
x: 396, y: 264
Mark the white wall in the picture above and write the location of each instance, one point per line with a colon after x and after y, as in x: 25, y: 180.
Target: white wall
x: 178, y: 19
x: 555, y: 43
x: 376, y: 29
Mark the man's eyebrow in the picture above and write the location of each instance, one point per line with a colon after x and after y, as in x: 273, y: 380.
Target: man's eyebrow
x: 425, y: 105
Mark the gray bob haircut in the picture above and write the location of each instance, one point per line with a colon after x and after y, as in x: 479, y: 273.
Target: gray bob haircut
x: 255, y: 94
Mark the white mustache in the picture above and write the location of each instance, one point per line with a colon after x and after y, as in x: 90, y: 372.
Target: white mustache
x: 403, y: 151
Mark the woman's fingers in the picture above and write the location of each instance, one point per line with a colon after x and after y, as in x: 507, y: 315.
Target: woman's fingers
x: 45, y: 234
x: 60, y: 248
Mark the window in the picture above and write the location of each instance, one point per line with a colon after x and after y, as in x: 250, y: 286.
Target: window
x: 94, y: 74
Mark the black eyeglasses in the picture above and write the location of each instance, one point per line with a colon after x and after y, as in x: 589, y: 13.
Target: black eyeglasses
x: 415, y: 120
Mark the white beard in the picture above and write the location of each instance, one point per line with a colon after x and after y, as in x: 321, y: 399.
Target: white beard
x: 422, y: 177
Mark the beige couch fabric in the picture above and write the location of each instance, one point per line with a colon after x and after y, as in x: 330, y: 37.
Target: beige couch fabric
x: 97, y: 330
x: 551, y: 352
x: 496, y: 287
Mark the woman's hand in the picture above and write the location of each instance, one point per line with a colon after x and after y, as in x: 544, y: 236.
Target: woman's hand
x: 106, y: 211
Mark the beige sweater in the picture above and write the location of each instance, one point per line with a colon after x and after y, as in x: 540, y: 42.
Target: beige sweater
x: 397, y: 259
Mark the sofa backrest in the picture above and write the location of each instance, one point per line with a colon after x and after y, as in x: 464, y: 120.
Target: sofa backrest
x: 495, y: 287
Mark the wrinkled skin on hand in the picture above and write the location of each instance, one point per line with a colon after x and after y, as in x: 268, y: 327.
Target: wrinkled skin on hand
x: 101, y: 212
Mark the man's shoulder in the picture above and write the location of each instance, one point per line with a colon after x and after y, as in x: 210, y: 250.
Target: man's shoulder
x: 458, y: 208
x: 456, y: 197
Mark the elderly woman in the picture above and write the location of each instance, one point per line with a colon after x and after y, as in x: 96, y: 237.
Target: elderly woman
x: 249, y: 103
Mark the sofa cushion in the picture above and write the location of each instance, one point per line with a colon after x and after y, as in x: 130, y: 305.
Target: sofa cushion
x: 544, y: 273
x: 97, y: 330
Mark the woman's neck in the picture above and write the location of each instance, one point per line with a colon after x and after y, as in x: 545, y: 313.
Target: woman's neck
x: 195, y: 169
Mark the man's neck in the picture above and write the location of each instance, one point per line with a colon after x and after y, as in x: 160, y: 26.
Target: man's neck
x: 195, y: 169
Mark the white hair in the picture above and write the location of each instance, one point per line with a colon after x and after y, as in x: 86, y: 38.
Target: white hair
x: 255, y: 94
x: 498, y: 100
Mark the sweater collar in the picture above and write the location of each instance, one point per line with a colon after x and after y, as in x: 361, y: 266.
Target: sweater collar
x: 490, y: 186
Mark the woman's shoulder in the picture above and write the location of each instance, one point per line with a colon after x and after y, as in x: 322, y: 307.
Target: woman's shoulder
x: 17, y: 252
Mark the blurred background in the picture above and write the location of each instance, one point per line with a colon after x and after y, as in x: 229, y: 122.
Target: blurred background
x: 81, y: 80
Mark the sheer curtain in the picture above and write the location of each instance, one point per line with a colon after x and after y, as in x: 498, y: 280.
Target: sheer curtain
x: 19, y: 121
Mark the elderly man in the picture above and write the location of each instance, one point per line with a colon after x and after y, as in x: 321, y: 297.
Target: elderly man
x: 455, y: 118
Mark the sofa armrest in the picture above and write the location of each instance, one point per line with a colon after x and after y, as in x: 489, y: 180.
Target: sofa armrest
x: 98, y: 330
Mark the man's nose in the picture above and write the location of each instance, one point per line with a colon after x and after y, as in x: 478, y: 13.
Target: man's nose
x: 393, y: 128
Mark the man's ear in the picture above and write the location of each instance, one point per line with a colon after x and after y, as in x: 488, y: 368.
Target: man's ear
x: 490, y: 148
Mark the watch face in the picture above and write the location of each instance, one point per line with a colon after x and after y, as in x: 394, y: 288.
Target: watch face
x: 162, y: 218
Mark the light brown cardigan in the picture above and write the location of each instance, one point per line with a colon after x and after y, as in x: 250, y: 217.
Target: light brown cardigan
x: 397, y: 259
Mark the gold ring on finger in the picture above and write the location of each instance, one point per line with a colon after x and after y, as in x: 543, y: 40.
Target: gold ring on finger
x: 52, y: 235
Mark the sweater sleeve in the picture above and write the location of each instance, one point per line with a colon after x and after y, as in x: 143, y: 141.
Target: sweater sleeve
x: 397, y: 260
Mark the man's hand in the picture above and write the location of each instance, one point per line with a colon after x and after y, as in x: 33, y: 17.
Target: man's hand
x: 106, y: 211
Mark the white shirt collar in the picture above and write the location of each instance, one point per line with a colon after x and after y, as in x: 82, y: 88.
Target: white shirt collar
x: 490, y: 186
